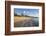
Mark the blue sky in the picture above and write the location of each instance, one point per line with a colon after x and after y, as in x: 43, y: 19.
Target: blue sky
x: 29, y: 12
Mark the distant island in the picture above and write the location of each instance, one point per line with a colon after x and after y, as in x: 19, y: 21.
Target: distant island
x: 23, y: 15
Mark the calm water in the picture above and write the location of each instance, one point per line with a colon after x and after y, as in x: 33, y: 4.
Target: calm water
x: 36, y: 21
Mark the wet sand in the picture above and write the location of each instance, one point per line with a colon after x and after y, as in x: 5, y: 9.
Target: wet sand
x: 24, y: 21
